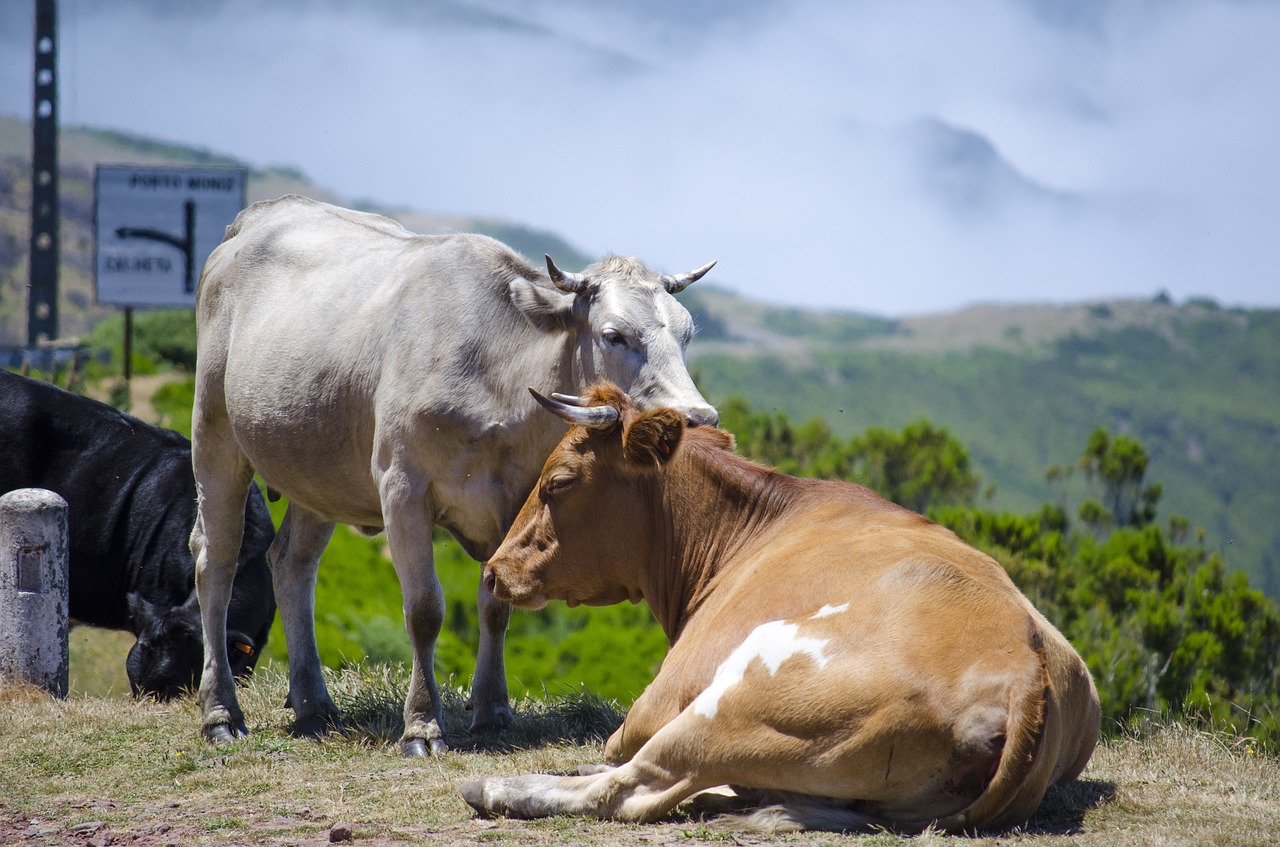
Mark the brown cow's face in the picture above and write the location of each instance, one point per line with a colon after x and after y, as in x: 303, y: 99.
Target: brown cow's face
x: 585, y: 533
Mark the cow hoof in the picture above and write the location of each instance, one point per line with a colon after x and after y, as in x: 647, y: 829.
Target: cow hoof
x: 413, y: 747
x: 492, y: 721
x: 593, y: 769
x: 314, y: 726
x: 225, y: 733
x: 473, y: 793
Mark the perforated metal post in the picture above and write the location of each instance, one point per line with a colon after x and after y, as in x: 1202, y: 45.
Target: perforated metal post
x: 33, y: 589
x: 42, y: 303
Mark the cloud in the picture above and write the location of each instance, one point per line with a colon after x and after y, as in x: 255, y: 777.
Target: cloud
x: 893, y: 156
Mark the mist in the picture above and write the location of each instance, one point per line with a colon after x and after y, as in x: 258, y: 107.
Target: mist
x: 885, y: 156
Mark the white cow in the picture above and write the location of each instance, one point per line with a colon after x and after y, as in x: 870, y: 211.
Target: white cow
x: 377, y: 377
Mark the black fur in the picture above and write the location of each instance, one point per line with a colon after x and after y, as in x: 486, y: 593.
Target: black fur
x: 131, y: 501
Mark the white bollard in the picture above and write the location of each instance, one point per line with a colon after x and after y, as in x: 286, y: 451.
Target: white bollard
x: 33, y: 589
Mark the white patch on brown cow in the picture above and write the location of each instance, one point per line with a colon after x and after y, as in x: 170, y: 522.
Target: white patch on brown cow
x: 830, y: 610
x: 772, y: 643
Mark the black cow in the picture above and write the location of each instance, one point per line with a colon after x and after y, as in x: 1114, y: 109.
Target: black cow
x: 131, y: 500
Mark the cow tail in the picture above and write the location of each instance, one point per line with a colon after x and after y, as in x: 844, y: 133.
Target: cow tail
x: 800, y: 814
x: 1012, y: 785
x: 1028, y: 709
x: 1025, y: 731
x: 785, y: 811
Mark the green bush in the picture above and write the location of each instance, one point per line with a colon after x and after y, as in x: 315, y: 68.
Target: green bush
x: 1165, y: 629
x: 161, y: 337
x: 172, y: 403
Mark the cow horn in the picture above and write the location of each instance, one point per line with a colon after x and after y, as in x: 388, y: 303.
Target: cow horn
x: 593, y: 417
x: 570, y: 399
x: 568, y: 283
x: 679, y: 282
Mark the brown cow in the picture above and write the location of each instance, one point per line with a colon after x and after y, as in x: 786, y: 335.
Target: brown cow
x: 856, y: 662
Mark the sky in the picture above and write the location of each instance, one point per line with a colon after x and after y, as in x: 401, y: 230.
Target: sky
x: 893, y: 157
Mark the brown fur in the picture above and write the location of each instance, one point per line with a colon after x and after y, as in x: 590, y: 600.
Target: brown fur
x: 825, y: 643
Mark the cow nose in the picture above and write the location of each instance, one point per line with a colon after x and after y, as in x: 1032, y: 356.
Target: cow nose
x: 702, y: 416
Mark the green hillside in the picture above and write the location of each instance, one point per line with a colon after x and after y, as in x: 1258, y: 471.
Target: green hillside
x: 1022, y: 386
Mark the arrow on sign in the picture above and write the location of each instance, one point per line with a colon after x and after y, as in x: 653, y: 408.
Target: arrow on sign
x: 186, y: 244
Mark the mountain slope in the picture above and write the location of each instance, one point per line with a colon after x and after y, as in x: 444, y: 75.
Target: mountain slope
x: 1021, y: 385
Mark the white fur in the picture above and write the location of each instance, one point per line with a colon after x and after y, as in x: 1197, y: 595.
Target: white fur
x: 830, y: 610
x: 772, y: 643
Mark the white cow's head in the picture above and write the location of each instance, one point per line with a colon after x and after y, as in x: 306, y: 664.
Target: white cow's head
x: 630, y: 330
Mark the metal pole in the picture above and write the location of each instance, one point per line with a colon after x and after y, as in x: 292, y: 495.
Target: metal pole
x: 128, y: 344
x: 34, y: 575
x: 189, y: 246
x: 42, y: 302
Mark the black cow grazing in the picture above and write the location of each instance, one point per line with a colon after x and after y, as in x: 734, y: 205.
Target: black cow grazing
x: 131, y: 499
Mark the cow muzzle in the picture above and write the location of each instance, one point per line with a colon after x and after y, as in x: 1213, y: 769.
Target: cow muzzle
x: 490, y: 580
x: 503, y: 591
x: 701, y: 416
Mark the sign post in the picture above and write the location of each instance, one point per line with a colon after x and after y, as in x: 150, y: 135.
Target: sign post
x: 42, y: 299
x: 155, y: 227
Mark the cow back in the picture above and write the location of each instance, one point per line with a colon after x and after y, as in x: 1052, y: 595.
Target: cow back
x: 324, y: 332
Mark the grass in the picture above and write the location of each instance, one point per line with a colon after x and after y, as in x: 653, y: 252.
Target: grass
x: 126, y: 770
x: 96, y: 666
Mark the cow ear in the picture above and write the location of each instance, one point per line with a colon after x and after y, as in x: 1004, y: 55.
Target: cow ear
x: 239, y: 642
x: 548, y: 309
x: 141, y: 610
x: 652, y: 438
x: 186, y: 618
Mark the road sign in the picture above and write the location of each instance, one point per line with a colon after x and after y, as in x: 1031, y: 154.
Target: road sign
x: 155, y: 226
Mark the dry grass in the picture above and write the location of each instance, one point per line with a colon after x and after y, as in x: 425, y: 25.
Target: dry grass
x: 120, y: 771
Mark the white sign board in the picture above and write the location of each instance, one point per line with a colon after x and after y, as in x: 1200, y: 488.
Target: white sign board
x: 155, y: 226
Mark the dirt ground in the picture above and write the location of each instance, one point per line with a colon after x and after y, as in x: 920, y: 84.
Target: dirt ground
x: 177, y: 826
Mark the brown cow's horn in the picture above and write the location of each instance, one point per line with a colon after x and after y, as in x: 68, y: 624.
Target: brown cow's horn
x: 568, y: 283
x: 594, y: 417
x: 679, y: 282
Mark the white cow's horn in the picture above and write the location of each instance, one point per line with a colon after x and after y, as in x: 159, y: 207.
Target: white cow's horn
x: 594, y: 417
x: 568, y: 283
x: 679, y: 282
x: 571, y: 399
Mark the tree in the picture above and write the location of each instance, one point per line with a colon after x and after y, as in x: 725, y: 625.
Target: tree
x: 1165, y: 629
x: 1118, y: 465
x: 921, y: 467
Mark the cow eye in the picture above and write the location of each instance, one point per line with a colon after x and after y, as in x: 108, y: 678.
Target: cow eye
x: 558, y: 483
x: 613, y: 337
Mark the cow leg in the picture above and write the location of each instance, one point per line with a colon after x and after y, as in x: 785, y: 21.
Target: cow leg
x: 404, y: 502
x: 657, y: 706
x: 223, y: 477
x: 490, y: 701
x: 295, y: 559
x: 643, y: 790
